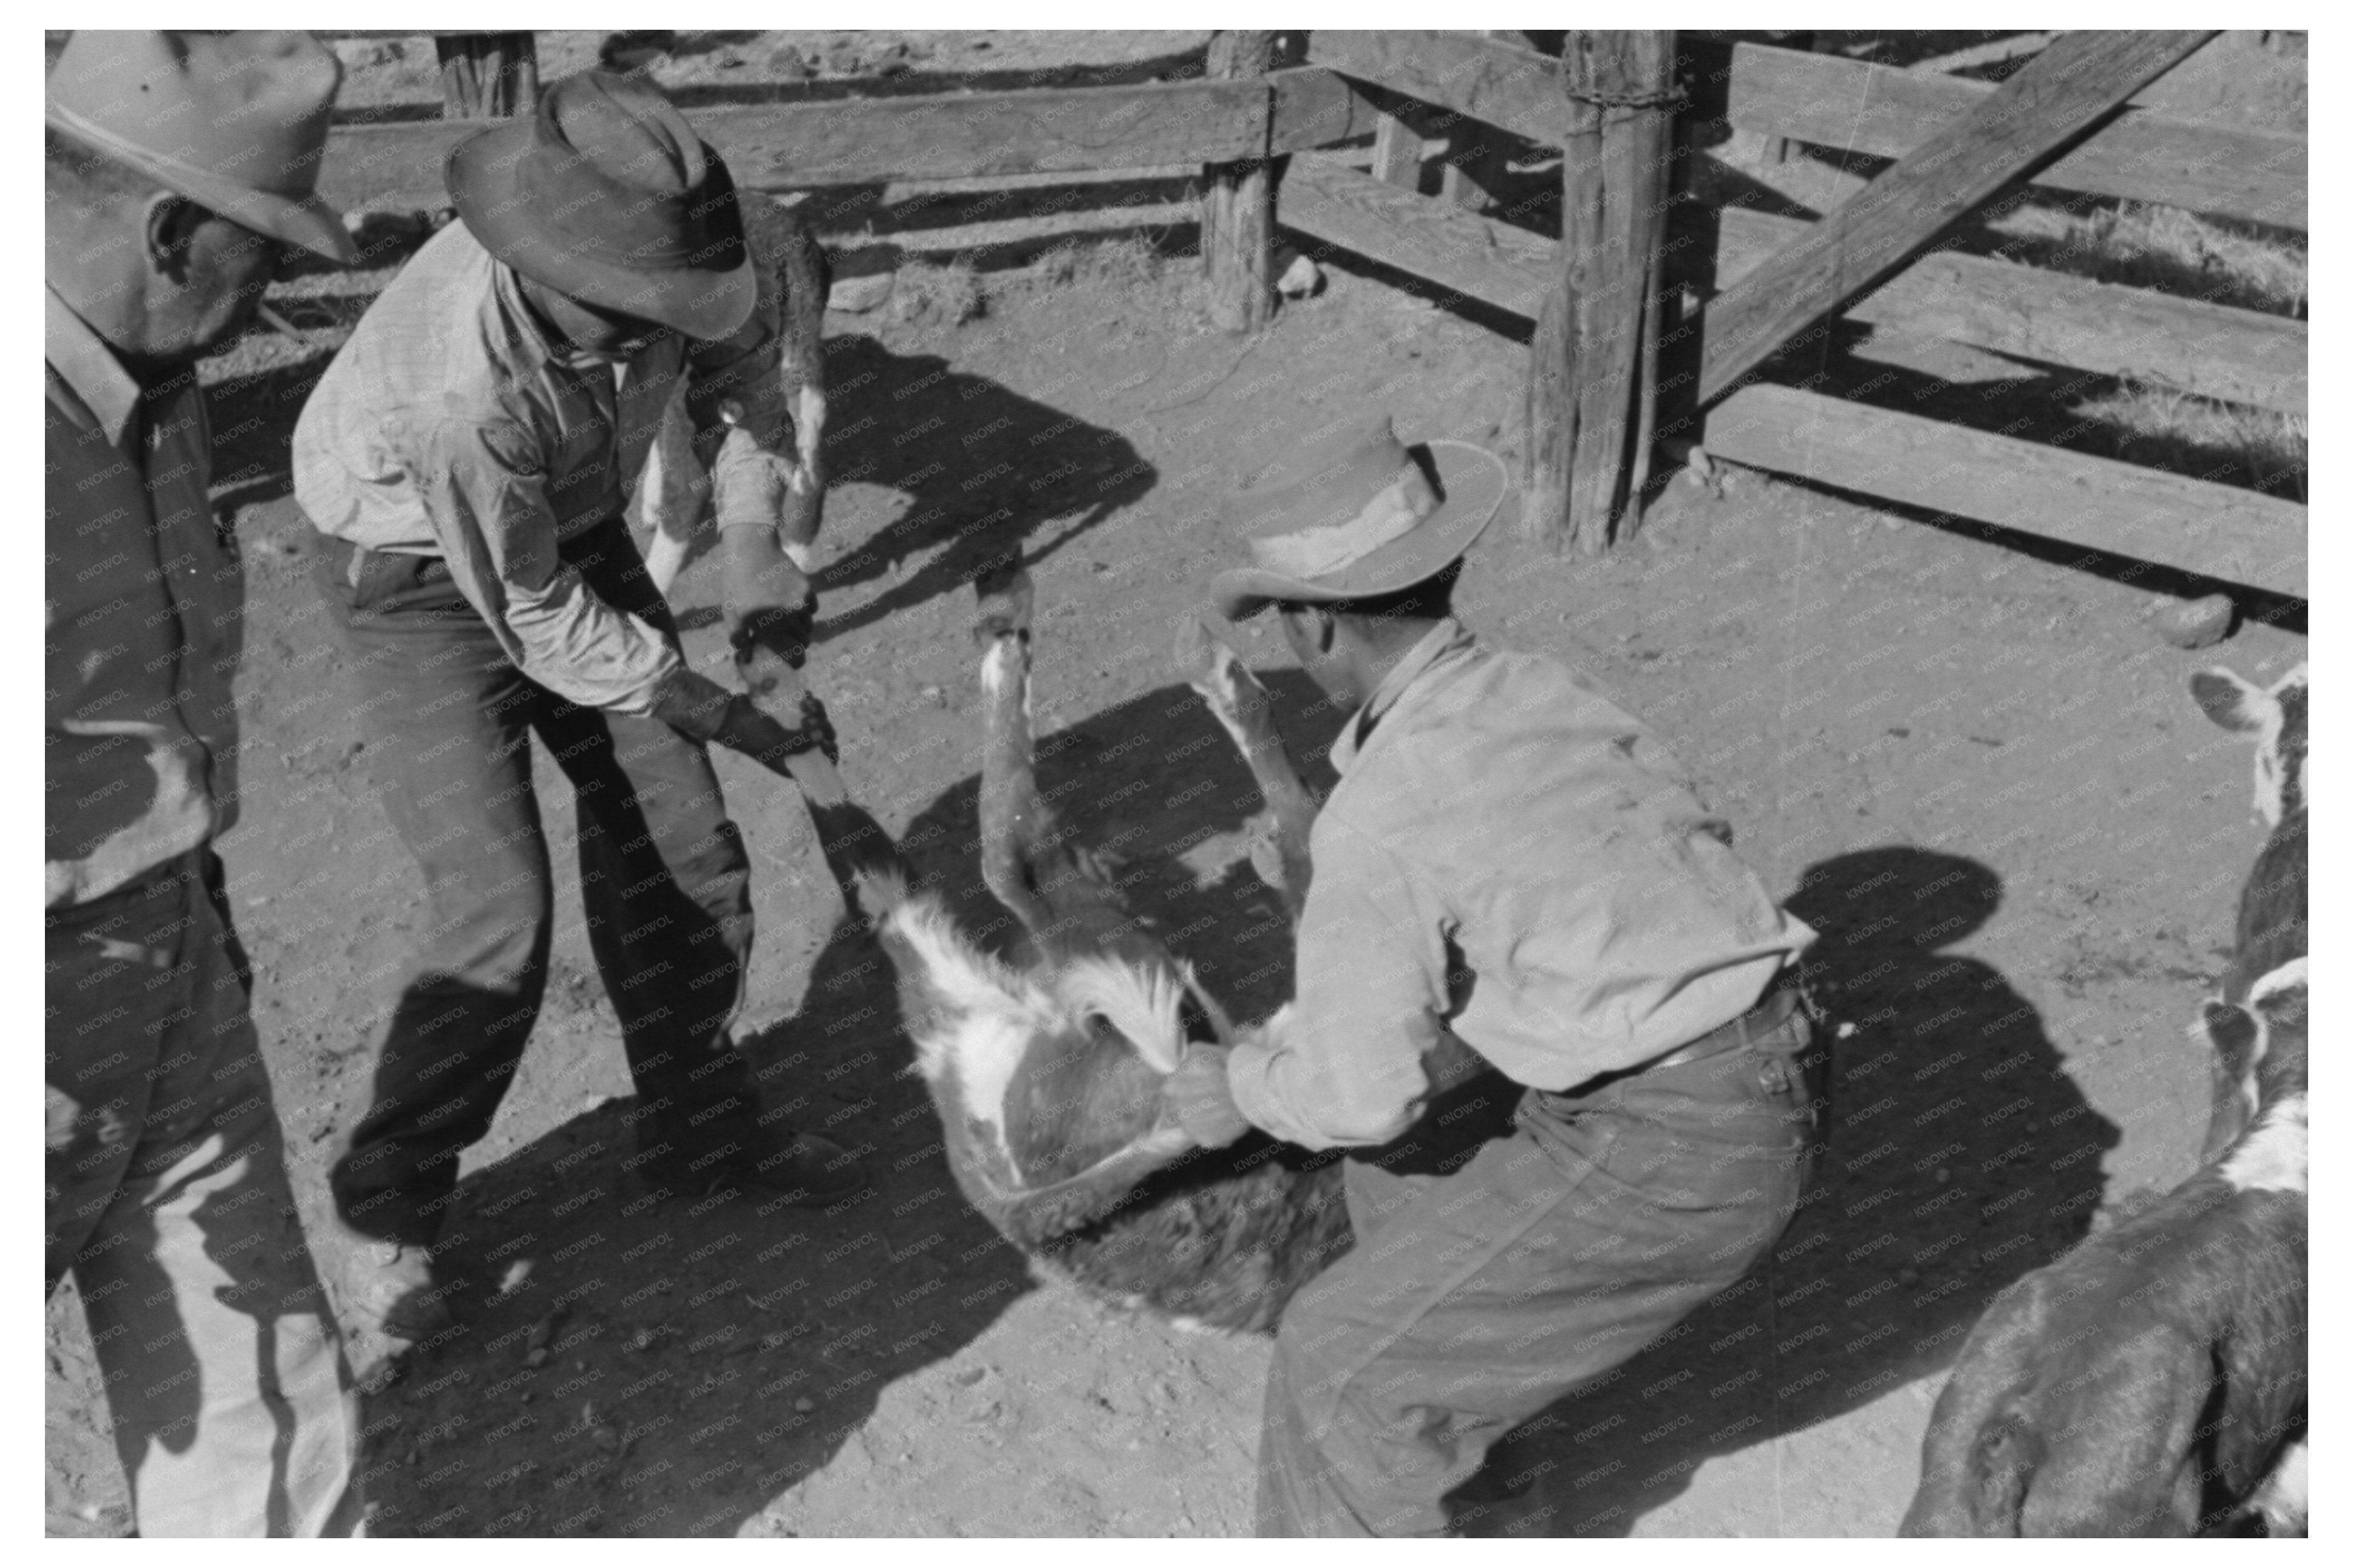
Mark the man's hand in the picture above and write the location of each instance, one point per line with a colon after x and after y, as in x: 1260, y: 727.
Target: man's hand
x: 1197, y: 1098
x: 701, y: 710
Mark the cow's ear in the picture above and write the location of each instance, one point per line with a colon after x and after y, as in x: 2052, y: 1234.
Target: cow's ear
x: 2228, y: 699
x: 2231, y: 1032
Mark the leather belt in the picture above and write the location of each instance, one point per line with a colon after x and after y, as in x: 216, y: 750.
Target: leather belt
x: 1772, y: 1010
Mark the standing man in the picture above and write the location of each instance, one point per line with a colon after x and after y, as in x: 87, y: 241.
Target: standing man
x: 1509, y: 863
x: 464, y: 454
x: 177, y: 167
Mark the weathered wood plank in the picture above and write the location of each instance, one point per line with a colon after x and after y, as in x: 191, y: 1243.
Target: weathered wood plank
x: 1237, y: 205
x: 1314, y: 107
x: 850, y: 142
x: 487, y: 76
x: 2060, y: 94
x: 1587, y: 389
x: 2221, y: 531
x: 1504, y: 84
x: 1886, y: 112
x: 1330, y: 205
x: 2212, y: 351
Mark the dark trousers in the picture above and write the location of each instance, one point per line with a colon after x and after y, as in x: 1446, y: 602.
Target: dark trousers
x: 663, y: 873
x: 1473, y: 1299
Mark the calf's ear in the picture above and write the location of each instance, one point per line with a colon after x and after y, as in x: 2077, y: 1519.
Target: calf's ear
x: 2229, y: 700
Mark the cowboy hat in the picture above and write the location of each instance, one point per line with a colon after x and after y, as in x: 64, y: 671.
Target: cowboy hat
x: 234, y: 121
x: 607, y: 197
x: 1355, y: 514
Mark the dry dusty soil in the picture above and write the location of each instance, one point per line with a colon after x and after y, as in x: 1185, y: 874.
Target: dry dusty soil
x: 1975, y: 771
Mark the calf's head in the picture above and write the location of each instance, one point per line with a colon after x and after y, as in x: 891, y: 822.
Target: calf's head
x: 2278, y: 720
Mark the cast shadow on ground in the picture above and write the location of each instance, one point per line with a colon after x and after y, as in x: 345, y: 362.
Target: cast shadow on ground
x: 1013, y: 469
x: 984, y: 472
x: 667, y: 1346
x: 1017, y: 468
x: 1960, y: 1156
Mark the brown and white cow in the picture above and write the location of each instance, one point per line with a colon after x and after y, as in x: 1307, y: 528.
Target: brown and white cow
x: 2152, y: 1382
x: 1046, y: 1064
x: 673, y: 498
x: 2274, y: 903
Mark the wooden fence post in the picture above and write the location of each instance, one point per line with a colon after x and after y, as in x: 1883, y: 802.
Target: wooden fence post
x: 1592, y: 368
x: 1238, y: 205
x: 486, y: 75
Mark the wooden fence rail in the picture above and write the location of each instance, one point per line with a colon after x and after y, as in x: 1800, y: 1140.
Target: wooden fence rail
x: 1405, y: 86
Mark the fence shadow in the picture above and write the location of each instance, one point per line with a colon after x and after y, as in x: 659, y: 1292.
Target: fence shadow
x: 1960, y: 1156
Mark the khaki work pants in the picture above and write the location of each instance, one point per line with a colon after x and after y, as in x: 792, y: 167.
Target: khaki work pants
x: 167, y: 1199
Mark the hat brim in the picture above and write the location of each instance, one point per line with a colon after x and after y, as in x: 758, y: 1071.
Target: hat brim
x: 309, y: 223
x: 484, y: 176
x: 1477, y: 491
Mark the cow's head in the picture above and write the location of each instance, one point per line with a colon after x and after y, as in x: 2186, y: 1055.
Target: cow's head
x: 2279, y: 719
x: 2259, y: 1053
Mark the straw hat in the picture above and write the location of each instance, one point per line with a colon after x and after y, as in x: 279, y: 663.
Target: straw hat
x: 1356, y: 513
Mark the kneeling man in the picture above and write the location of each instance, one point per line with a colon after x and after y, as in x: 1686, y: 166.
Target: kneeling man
x: 1510, y: 863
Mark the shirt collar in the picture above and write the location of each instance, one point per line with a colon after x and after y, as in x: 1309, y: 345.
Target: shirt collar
x: 84, y: 363
x: 523, y: 331
x: 1448, y: 638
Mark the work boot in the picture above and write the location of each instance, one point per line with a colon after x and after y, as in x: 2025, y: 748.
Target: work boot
x: 391, y: 1289
x: 809, y: 1171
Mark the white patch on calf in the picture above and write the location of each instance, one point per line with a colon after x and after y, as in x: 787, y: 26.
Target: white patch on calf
x: 995, y: 667
x: 2274, y: 1157
x: 2295, y: 974
x: 1141, y: 1000
x: 2284, y: 1499
x: 1223, y: 696
x: 808, y: 429
x: 2239, y: 705
x: 986, y: 1014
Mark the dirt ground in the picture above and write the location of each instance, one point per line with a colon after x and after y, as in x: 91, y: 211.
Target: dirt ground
x: 1977, y: 773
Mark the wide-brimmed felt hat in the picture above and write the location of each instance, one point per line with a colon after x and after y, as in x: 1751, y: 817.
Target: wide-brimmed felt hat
x: 235, y: 122
x: 1354, y: 514
x: 607, y: 197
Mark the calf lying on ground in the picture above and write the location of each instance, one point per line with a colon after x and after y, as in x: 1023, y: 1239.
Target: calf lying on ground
x: 674, y: 492
x: 1046, y: 1067
x: 2152, y: 1380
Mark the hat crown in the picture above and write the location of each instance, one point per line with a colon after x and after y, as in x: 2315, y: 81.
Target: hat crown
x: 1321, y: 482
x: 629, y: 132
x: 248, y: 108
x: 612, y: 171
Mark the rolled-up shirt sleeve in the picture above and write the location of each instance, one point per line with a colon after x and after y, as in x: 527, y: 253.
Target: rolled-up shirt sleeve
x: 482, y: 489
x: 1347, y: 1064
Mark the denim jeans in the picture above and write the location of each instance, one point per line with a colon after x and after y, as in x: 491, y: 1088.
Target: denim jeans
x: 663, y: 875
x: 167, y: 1199
x: 1474, y: 1298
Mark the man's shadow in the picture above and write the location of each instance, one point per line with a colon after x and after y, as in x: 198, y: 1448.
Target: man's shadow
x: 1959, y: 1156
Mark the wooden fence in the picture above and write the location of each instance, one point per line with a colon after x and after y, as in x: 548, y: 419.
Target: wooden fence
x: 1765, y: 278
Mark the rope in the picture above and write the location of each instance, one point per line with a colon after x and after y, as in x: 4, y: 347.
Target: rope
x: 1667, y: 97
